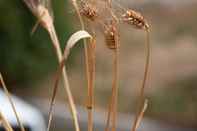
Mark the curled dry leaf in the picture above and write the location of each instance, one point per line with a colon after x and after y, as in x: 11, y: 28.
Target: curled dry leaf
x: 82, y: 34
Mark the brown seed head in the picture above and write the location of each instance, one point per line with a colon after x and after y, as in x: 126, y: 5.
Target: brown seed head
x: 89, y: 11
x: 136, y: 19
x: 111, y: 35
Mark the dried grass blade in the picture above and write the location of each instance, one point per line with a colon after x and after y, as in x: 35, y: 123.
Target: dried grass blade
x: 70, y: 43
x: 11, y: 103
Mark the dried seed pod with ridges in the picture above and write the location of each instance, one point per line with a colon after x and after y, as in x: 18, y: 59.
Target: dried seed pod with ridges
x: 136, y: 19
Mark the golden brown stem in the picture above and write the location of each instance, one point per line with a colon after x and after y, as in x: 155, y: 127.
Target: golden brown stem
x: 90, y: 104
x: 115, y: 86
x: 112, y: 109
x: 142, y: 97
x: 11, y: 102
x: 90, y: 114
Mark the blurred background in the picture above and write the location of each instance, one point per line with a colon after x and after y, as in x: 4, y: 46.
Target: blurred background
x: 28, y: 63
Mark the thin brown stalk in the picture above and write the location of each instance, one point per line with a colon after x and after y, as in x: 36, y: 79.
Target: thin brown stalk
x: 146, y: 69
x: 11, y: 102
x: 112, y: 109
x: 115, y: 86
x: 87, y: 57
x: 112, y: 42
x: 107, y: 127
x: 5, y: 123
x: 90, y: 104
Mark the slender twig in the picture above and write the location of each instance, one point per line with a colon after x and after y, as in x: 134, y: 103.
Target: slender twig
x: 11, y: 103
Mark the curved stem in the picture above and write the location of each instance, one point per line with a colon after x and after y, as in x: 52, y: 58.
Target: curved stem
x: 146, y: 69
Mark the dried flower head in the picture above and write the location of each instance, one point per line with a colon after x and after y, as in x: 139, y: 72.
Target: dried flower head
x: 40, y: 9
x: 111, y: 35
x: 136, y: 19
x: 88, y: 10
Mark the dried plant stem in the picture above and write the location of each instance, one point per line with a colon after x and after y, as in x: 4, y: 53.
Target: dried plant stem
x: 90, y: 104
x: 56, y: 45
x: 112, y: 109
x: 142, y: 97
x: 90, y: 87
x: 11, y: 102
x: 5, y: 123
x: 115, y: 90
x: 87, y: 57
x: 107, y: 127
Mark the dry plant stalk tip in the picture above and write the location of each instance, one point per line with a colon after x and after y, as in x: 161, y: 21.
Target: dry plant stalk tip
x: 11, y: 103
x: 5, y: 123
x: 46, y: 20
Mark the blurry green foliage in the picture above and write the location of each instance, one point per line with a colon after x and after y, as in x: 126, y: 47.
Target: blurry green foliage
x: 25, y: 58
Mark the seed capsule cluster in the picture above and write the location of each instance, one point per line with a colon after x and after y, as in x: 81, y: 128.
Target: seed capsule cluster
x: 88, y: 11
x: 136, y: 19
x: 111, y: 36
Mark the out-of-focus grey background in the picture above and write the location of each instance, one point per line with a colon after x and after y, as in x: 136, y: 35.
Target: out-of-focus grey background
x: 28, y: 63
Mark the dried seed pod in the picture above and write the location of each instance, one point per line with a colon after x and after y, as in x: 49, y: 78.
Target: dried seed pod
x: 111, y: 35
x: 88, y: 10
x: 136, y: 19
